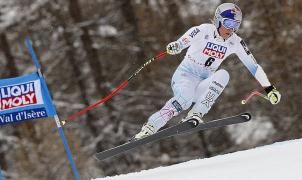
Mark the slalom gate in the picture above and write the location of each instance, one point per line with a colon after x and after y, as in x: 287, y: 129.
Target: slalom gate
x: 27, y: 98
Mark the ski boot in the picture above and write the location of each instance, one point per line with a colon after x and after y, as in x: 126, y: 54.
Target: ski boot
x: 147, y: 130
x: 193, y: 115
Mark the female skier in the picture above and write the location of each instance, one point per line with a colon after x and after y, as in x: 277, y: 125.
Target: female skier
x: 197, y: 80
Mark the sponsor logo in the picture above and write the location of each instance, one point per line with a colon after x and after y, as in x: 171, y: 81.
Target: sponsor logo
x: 185, y: 41
x: 237, y: 12
x: 194, y: 32
x: 215, y: 50
x: 218, y: 84
x: 177, y: 106
x: 17, y: 96
x: 209, y: 100
x: 246, y: 49
x: 232, y: 13
x: 253, y: 58
x: 214, y: 90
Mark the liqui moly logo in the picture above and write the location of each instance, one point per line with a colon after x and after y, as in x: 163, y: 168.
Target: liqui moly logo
x: 17, y: 96
x: 215, y: 50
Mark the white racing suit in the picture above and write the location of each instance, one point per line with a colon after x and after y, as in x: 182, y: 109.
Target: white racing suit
x: 196, y: 80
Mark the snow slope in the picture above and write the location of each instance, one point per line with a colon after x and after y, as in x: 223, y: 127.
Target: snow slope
x: 278, y: 161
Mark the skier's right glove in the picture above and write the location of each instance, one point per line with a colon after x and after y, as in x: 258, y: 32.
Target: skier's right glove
x: 273, y: 95
x: 174, y: 48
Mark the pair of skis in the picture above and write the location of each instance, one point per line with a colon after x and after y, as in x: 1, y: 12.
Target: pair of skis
x: 189, y: 126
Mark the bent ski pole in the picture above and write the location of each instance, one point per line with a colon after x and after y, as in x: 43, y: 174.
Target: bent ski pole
x: 157, y: 57
x: 254, y: 93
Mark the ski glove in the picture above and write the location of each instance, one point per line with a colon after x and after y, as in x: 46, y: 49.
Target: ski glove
x: 174, y: 48
x: 273, y: 95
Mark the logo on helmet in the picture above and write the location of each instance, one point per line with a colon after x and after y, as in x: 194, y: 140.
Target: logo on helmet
x: 231, y: 14
x: 237, y: 12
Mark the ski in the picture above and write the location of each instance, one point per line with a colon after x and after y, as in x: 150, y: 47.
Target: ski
x: 189, y: 126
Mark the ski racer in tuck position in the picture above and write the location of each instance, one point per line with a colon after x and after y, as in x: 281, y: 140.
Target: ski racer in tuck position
x: 197, y: 80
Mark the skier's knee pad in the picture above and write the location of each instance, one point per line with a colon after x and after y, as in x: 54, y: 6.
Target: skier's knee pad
x: 221, y: 77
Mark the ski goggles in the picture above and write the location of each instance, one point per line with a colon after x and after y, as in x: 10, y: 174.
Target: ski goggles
x: 230, y: 24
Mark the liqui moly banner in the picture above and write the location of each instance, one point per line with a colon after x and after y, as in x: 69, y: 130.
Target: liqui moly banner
x: 24, y: 98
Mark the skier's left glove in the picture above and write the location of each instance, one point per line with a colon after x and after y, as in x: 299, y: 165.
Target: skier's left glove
x: 174, y: 48
x: 273, y: 94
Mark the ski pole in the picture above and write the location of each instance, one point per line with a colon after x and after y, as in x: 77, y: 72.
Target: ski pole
x: 157, y: 57
x: 254, y: 93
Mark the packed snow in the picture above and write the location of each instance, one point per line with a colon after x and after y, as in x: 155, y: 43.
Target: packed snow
x: 278, y: 161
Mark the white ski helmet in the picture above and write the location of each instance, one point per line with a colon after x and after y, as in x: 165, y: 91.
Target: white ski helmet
x: 229, y: 15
